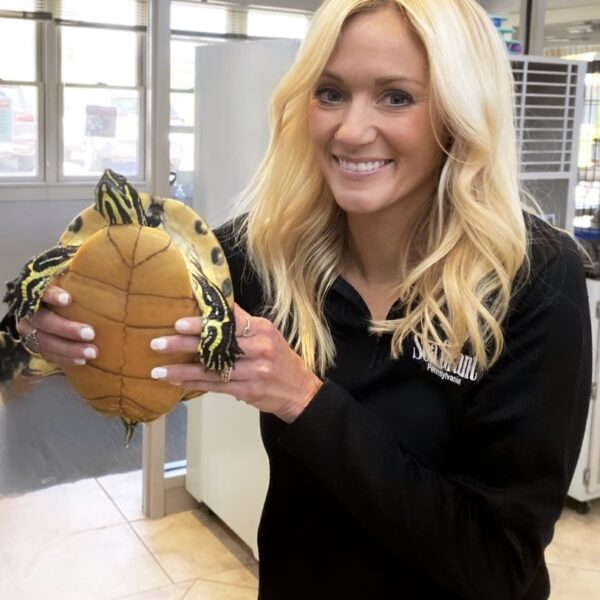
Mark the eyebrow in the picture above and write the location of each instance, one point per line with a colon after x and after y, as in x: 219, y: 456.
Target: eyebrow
x: 380, y: 80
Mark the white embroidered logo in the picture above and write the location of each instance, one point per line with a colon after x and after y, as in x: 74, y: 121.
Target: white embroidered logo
x: 465, y: 369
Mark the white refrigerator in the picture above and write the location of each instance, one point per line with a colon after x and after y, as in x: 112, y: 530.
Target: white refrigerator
x: 227, y: 467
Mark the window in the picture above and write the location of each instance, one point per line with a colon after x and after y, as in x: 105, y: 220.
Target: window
x: 73, y: 97
x: 102, y: 101
x: 200, y: 18
x: 264, y: 23
x: 87, y: 103
x: 19, y: 100
x: 102, y: 84
x: 192, y: 25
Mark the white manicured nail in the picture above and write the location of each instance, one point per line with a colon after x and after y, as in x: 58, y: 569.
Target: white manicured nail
x: 182, y: 325
x: 90, y: 353
x: 158, y: 373
x: 158, y: 343
x: 86, y: 333
x: 79, y: 361
x: 64, y: 298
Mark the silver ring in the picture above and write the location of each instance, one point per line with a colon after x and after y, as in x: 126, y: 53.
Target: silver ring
x: 32, y: 341
x: 246, y: 330
x: 226, y: 374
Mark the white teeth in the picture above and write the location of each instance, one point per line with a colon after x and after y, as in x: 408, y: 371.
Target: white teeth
x: 362, y: 167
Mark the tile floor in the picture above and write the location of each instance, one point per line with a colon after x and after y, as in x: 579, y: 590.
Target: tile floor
x: 89, y: 541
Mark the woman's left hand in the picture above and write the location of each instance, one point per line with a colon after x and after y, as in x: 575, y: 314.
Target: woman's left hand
x: 269, y: 375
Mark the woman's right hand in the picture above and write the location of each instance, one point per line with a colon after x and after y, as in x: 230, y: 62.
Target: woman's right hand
x: 61, y: 341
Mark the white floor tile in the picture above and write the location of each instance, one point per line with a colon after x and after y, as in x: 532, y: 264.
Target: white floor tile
x: 125, y: 490
x: 576, y: 540
x: 63, y: 509
x: 210, y: 590
x: 569, y: 583
x: 97, y: 564
x: 189, y: 548
x: 176, y: 591
x: 243, y: 576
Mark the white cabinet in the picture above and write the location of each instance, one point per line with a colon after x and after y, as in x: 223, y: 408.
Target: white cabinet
x: 585, y: 484
x: 227, y: 467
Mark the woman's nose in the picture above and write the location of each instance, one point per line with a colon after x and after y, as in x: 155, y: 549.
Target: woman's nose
x: 356, y: 126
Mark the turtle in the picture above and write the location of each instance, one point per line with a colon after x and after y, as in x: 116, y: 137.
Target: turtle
x: 133, y: 264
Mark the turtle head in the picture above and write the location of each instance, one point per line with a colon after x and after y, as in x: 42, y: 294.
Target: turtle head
x: 117, y: 201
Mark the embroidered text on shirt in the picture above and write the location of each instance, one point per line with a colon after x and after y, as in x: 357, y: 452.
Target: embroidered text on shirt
x: 465, y: 369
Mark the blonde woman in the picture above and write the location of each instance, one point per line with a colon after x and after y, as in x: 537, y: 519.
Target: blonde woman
x: 418, y: 346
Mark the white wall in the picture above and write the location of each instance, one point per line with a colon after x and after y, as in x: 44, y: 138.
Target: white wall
x: 28, y: 227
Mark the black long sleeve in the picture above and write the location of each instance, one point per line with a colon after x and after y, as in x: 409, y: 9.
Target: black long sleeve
x: 456, y: 483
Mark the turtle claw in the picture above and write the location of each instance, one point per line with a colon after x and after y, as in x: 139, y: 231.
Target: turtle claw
x: 129, y: 429
x: 218, y: 348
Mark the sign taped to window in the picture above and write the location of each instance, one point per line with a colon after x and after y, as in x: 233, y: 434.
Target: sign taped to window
x: 100, y: 121
x: 6, y: 120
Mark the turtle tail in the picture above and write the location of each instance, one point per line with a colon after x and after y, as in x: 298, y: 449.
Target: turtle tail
x: 130, y: 426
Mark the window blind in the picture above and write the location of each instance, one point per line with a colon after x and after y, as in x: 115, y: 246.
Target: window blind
x: 121, y: 13
x: 27, y: 9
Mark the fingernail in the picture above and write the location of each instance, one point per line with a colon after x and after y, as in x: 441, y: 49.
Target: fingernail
x: 158, y: 373
x: 64, y: 298
x: 158, y: 343
x: 86, y: 333
x: 182, y: 325
x: 79, y: 361
x: 90, y: 352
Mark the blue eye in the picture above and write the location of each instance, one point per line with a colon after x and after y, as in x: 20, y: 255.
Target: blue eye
x: 398, y: 98
x: 328, y: 95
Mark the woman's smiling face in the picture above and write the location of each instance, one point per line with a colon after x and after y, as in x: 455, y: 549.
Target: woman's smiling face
x: 370, y: 119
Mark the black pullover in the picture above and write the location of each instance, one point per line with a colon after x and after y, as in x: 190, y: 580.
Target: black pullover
x: 402, y: 480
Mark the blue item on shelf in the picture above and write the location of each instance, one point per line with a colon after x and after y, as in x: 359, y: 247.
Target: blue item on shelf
x: 497, y: 21
x: 589, y: 234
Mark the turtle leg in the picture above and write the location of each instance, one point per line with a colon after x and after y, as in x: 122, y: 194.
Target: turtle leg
x: 16, y: 359
x: 24, y: 293
x: 218, y: 347
x: 23, y: 296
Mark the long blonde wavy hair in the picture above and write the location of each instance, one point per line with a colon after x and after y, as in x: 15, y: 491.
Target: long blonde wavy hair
x: 467, y: 243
